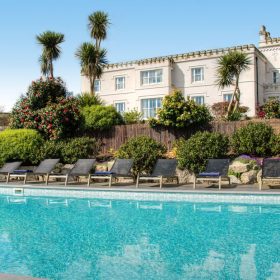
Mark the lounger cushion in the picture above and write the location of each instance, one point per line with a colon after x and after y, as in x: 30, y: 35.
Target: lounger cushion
x: 104, y: 173
x: 209, y: 174
x: 23, y: 171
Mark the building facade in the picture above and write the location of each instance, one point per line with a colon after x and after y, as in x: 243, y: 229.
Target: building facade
x: 142, y: 84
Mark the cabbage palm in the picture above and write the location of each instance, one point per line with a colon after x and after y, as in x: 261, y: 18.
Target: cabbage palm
x: 50, y: 42
x: 230, y: 66
x: 92, y: 62
x: 98, y: 25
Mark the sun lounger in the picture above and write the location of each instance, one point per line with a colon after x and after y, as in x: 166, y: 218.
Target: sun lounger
x: 120, y: 168
x: 9, y: 168
x: 164, y: 168
x: 216, y: 170
x: 81, y: 168
x: 270, y: 171
x: 44, y: 168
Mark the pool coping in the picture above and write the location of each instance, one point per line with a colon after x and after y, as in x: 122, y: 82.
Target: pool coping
x: 113, y: 193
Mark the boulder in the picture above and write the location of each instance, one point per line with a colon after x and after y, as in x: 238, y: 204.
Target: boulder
x: 234, y: 180
x: 249, y: 177
x: 239, y: 167
x: 101, y: 167
x: 184, y: 176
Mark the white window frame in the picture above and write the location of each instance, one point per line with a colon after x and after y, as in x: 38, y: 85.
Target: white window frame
x: 120, y: 102
x: 195, y: 75
x: 99, y: 86
x: 146, y: 77
x: 227, y: 93
x: 193, y: 97
x: 275, y: 76
x: 118, y: 83
x: 147, y: 111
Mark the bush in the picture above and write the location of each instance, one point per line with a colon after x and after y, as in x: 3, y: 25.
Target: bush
x: 98, y: 117
x: 20, y: 144
x: 87, y: 99
x: 132, y: 117
x: 194, y: 152
x: 275, y: 145
x: 47, y: 108
x: 70, y: 150
x: 180, y: 113
x: 271, y: 108
x: 253, y: 139
x: 144, y: 151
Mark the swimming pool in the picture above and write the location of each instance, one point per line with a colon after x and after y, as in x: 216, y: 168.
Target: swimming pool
x: 94, y: 238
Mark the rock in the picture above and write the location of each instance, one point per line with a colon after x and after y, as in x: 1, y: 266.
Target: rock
x: 101, y: 167
x: 234, y: 180
x: 239, y: 167
x: 184, y: 176
x: 249, y: 177
x: 110, y: 164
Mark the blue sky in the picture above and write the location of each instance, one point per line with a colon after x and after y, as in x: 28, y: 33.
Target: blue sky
x: 139, y: 29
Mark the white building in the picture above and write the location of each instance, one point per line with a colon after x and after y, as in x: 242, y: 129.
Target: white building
x: 142, y: 84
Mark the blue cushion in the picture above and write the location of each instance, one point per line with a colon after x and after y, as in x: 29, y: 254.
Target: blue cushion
x: 104, y: 173
x: 209, y: 174
x: 23, y: 171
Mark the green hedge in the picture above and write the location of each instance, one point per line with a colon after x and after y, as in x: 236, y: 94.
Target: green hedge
x: 253, y: 139
x: 144, y: 151
x: 194, y: 152
x: 20, y: 144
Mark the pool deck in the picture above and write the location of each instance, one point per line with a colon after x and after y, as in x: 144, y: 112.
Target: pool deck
x: 15, y: 277
x: 151, y: 187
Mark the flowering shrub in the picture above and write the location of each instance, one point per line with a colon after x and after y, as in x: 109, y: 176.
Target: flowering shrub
x: 54, y: 116
x: 180, y: 113
x: 219, y: 110
x: 271, y: 109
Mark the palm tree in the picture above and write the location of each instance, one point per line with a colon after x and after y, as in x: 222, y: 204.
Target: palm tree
x: 230, y: 66
x: 50, y: 42
x: 98, y: 25
x: 92, y: 62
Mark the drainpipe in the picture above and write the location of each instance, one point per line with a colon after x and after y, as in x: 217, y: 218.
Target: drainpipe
x: 257, y: 78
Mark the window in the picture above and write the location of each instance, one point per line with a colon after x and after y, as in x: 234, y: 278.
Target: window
x: 276, y: 77
x: 149, y: 107
x: 198, y: 99
x: 97, y: 85
x: 227, y: 97
x: 120, y: 107
x: 197, y: 74
x: 120, y: 83
x: 151, y: 77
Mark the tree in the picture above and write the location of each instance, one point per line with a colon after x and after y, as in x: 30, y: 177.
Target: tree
x: 98, y: 25
x: 92, y: 62
x: 230, y: 66
x: 50, y: 42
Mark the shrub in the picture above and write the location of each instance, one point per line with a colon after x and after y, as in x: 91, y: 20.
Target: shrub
x: 180, y: 113
x: 132, y: 117
x: 194, y: 152
x: 275, y: 145
x: 87, y: 99
x: 55, y: 121
x: 144, y: 151
x: 70, y: 150
x: 271, y: 108
x: 20, y: 144
x: 98, y: 117
x: 253, y: 139
x: 219, y: 110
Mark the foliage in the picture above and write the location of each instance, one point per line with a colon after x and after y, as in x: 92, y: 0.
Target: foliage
x: 275, y: 145
x: 50, y: 42
x: 219, y: 110
x: 98, y: 117
x: 20, y: 144
x: 194, y: 152
x: 132, y: 117
x: 230, y: 66
x: 253, y: 139
x: 87, y: 99
x: 70, y: 150
x: 271, y: 108
x: 144, y: 151
x: 47, y: 108
x: 180, y: 113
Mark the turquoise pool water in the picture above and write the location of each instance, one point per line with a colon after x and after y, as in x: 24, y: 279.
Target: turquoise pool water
x: 82, y: 239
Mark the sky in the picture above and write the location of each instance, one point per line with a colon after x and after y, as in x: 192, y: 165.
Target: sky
x: 139, y: 29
